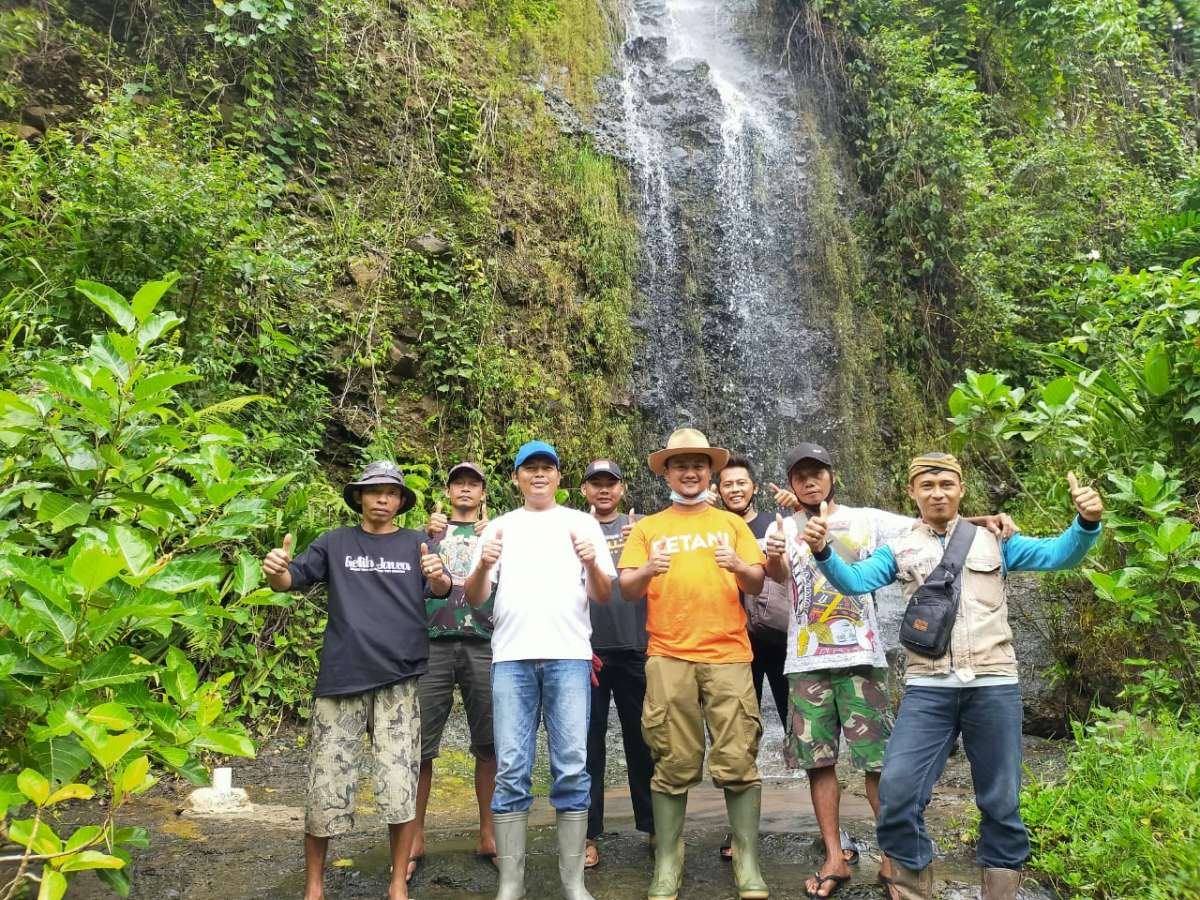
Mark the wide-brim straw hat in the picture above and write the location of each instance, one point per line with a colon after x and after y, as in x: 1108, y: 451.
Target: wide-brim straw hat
x: 683, y: 441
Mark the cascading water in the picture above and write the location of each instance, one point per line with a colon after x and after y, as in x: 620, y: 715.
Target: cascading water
x: 734, y: 340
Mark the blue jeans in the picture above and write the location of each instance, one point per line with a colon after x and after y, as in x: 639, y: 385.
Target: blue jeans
x: 522, y: 692
x: 989, y: 719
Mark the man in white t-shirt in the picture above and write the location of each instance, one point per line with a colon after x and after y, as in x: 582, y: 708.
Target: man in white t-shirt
x: 836, y: 666
x: 546, y: 562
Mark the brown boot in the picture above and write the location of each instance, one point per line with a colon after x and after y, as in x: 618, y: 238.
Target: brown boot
x: 912, y: 885
x: 1000, y: 884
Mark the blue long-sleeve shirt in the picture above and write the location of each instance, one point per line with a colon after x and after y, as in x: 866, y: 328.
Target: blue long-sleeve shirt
x: 1018, y: 554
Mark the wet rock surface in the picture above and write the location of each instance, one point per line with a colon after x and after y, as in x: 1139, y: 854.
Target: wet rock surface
x: 255, y: 852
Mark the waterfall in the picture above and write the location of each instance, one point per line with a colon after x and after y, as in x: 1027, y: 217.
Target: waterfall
x: 735, y: 340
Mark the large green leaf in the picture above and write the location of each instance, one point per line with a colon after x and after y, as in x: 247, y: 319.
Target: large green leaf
x: 53, y: 886
x: 62, y: 512
x: 149, y: 294
x: 231, y: 743
x: 117, y: 666
x: 34, y: 786
x: 52, y: 618
x: 37, y: 574
x: 61, y: 759
x: 136, y: 545
x: 110, y: 748
x: 94, y: 564
x: 1157, y: 371
x: 109, y: 301
x: 247, y: 573
x: 183, y: 574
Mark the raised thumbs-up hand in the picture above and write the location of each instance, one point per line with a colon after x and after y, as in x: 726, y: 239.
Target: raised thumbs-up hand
x: 1086, y: 499
x: 784, y: 499
x: 584, y: 549
x: 815, y: 530
x: 431, y: 564
x: 276, y: 561
x: 438, y: 523
x: 492, y: 547
x: 727, y: 559
x: 482, y: 522
x: 628, y: 526
x: 775, y: 541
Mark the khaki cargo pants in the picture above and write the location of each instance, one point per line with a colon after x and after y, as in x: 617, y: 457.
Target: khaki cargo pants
x: 681, y: 698
x: 391, y: 718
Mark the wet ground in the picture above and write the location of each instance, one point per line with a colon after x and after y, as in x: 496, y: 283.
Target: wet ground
x: 256, y: 853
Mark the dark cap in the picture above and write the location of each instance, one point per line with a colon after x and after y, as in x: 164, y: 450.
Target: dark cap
x: 801, y: 452
x: 465, y: 467
x: 381, y: 472
x: 603, y: 467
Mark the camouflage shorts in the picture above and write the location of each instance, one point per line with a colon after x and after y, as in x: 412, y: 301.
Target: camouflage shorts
x: 391, y: 717
x: 824, y: 704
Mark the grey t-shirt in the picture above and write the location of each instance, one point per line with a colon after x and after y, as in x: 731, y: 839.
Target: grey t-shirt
x: 618, y: 624
x: 377, y: 632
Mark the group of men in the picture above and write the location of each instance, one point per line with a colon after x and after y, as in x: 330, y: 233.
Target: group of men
x: 549, y: 614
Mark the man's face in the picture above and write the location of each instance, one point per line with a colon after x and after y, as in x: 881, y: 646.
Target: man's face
x: 380, y: 502
x: 466, y: 491
x: 810, y: 481
x: 736, y: 489
x: 938, y: 495
x: 603, y: 492
x: 537, y: 479
x: 689, y: 474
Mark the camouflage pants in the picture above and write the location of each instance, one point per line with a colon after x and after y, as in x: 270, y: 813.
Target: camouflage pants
x: 822, y: 704
x: 391, y: 717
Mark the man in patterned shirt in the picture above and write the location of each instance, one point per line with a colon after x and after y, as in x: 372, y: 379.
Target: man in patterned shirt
x: 460, y: 653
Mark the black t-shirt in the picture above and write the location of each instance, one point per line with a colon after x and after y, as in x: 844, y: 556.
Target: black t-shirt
x: 760, y: 525
x: 618, y: 624
x: 378, y: 631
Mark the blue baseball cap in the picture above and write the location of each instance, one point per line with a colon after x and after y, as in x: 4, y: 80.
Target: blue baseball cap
x: 530, y: 449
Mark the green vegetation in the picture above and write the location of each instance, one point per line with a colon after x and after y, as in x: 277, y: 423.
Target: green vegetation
x: 381, y: 246
x: 1125, y: 819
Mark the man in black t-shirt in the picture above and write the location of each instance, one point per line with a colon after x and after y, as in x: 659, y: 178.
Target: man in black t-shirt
x: 375, y: 646
x: 619, y: 641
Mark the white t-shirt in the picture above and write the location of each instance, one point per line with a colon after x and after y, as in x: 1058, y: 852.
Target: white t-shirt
x: 829, y: 630
x: 541, y: 609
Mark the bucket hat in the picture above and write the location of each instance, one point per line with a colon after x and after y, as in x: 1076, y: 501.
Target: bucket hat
x: 683, y: 441
x: 381, y: 472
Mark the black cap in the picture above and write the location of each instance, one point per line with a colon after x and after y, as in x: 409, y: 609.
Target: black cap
x: 466, y: 467
x: 801, y: 452
x: 603, y: 467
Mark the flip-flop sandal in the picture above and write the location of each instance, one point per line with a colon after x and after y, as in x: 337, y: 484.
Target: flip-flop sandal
x: 838, y: 881
x: 888, y: 886
x: 591, y: 855
x: 726, y: 850
x: 850, y: 847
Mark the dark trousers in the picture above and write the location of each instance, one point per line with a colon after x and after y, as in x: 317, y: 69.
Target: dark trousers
x: 930, y: 718
x: 623, y: 679
x: 768, y: 661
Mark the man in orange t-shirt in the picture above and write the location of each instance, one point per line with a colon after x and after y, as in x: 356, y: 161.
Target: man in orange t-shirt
x: 690, y: 561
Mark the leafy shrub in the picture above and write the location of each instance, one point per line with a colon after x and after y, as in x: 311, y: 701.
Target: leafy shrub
x: 1124, y: 821
x: 122, y: 511
x: 1126, y: 410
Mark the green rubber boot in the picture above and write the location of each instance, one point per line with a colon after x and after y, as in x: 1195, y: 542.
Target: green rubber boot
x: 510, y: 854
x: 669, y: 810
x: 744, y: 808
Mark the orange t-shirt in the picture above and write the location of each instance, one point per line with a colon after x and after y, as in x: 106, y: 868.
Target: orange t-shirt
x: 693, y: 611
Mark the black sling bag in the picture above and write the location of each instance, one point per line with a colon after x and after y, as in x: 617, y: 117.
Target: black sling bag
x: 932, y: 609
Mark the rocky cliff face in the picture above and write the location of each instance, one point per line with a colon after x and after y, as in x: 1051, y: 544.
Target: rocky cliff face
x: 736, y: 336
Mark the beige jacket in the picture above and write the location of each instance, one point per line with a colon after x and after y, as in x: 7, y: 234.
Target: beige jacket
x: 982, y: 639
